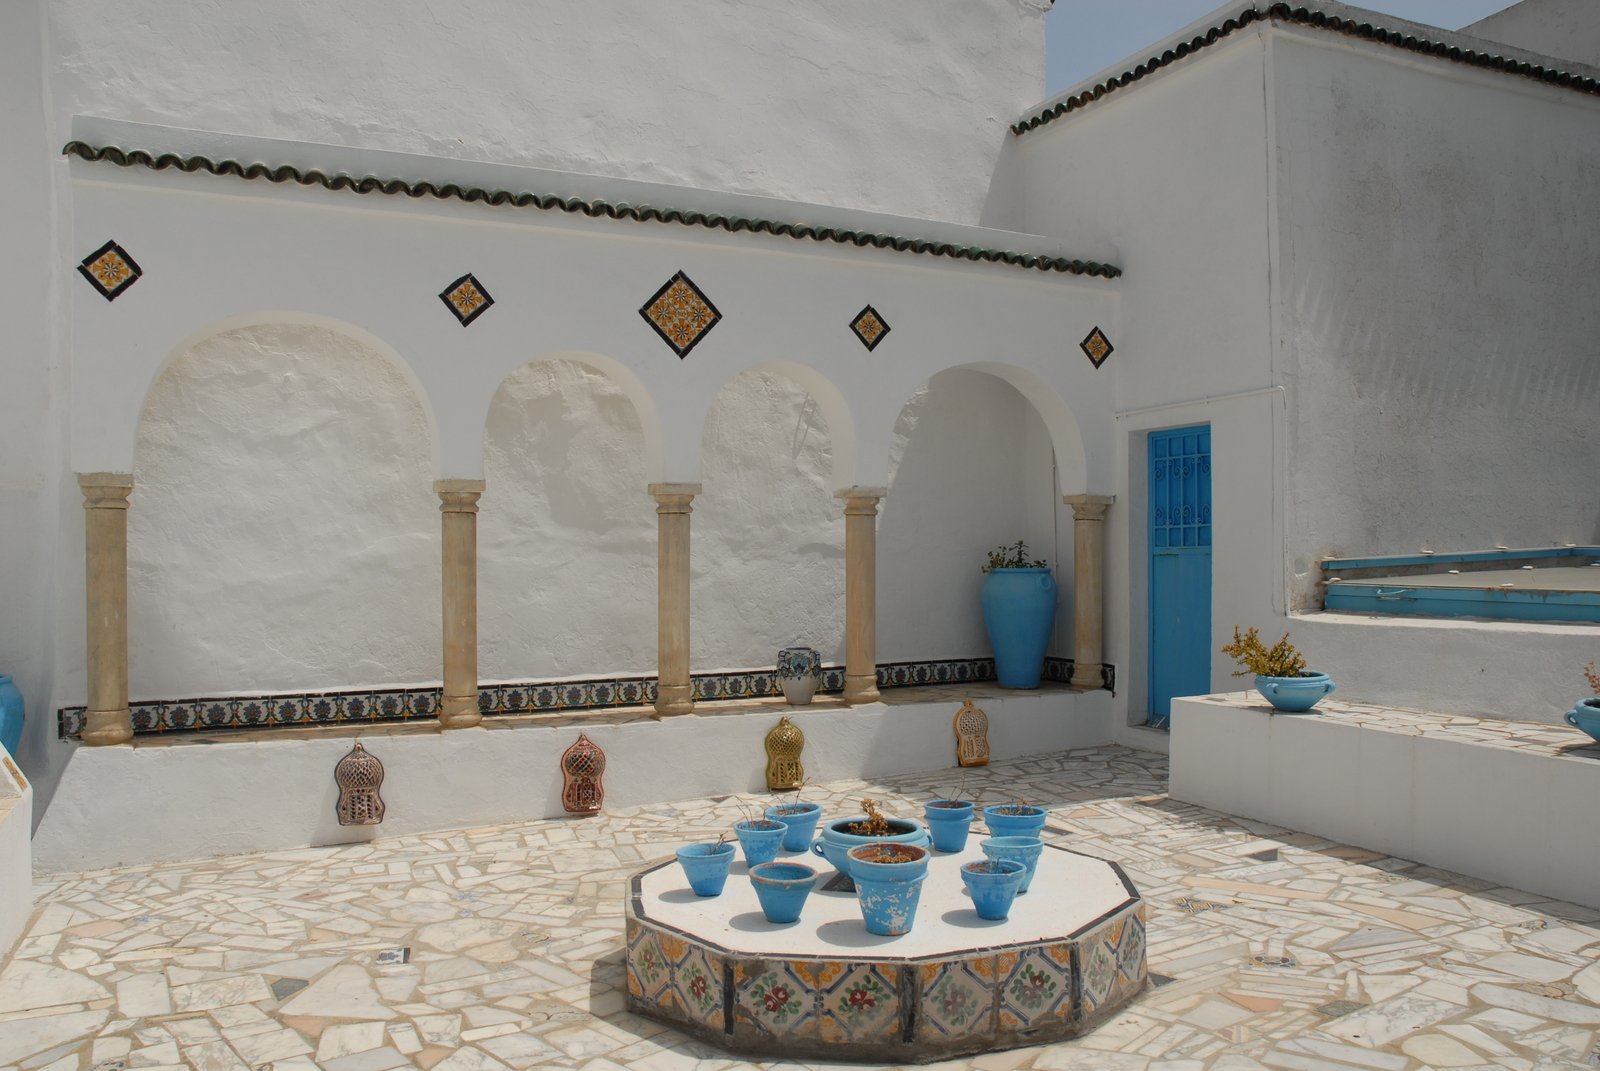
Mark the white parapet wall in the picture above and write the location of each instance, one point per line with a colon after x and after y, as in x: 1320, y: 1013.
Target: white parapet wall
x: 174, y: 799
x: 16, y: 858
x: 1512, y: 803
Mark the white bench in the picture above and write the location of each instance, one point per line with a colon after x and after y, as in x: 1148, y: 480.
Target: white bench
x: 1515, y: 803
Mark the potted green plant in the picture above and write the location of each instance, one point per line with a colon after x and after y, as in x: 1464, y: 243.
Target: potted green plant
x: 1280, y: 672
x: 1019, y: 610
x: 1585, y: 714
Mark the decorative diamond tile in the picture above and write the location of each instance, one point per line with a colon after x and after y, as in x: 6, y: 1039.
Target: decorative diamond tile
x: 957, y: 998
x: 466, y: 298
x: 1097, y: 347
x: 870, y: 328
x: 775, y: 997
x: 1037, y: 989
x: 681, y: 314
x: 697, y: 981
x: 862, y: 1005
x: 110, y: 270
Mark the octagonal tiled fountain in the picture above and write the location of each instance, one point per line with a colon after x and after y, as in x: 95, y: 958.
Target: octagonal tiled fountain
x: 1071, y: 953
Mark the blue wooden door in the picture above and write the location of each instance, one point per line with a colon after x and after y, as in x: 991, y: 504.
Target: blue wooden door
x: 1180, y: 567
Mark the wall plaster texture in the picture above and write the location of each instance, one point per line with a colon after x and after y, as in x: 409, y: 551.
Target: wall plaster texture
x: 212, y: 792
x: 898, y: 105
x: 1569, y: 29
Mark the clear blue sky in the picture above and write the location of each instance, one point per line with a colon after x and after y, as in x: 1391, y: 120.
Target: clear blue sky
x: 1085, y: 36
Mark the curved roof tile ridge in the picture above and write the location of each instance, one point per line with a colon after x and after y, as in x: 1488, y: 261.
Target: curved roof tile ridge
x: 1322, y: 20
x: 593, y: 207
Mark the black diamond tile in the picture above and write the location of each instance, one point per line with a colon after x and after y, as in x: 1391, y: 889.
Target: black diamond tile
x: 110, y: 270
x: 870, y: 327
x: 466, y: 298
x: 681, y: 314
x: 1097, y: 347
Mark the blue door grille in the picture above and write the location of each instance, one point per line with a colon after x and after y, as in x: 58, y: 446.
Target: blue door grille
x: 1180, y: 488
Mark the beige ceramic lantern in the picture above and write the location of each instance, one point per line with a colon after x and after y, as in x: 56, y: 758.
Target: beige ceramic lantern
x: 359, y: 775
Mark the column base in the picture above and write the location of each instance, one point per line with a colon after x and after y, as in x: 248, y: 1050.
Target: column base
x: 103, y: 727
x: 674, y: 699
x: 459, y: 711
x: 862, y: 689
x: 1088, y: 676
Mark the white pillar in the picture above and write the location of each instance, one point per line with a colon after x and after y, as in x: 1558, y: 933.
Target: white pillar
x: 861, y: 593
x: 1088, y: 584
x: 105, y: 532
x: 674, y: 691
x: 458, y: 556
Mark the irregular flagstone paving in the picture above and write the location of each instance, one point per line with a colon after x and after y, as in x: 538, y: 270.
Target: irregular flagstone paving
x: 501, y: 948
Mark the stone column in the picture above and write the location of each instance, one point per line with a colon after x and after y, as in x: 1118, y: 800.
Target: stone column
x: 674, y: 692
x: 458, y: 526
x: 861, y: 593
x: 105, y: 538
x: 1088, y: 583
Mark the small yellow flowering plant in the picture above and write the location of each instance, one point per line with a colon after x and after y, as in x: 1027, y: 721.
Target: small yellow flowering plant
x: 1257, y: 659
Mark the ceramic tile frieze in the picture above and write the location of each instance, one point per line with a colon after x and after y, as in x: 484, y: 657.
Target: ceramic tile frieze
x: 494, y: 700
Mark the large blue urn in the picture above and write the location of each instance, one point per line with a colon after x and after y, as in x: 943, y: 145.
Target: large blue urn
x: 11, y: 715
x: 1019, y: 609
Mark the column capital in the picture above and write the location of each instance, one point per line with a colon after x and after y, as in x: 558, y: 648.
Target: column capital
x: 458, y: 496
x: 1089, y: 507
x: 861, y: 501
x: 105, y: 490
x: 674, y: 497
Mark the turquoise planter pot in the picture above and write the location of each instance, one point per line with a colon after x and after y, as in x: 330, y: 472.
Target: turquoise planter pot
x: 888, y: 881
x: 11, y: 715
x: 1019, y: 609
x: 800, y: 819
x: 835, y: 844
x: 782, y: 889
x: 706, y: 867
x: 993, y: 885
x: 1586, y: 716
x: 1014, y: 820
x: 1295, y: 695
x: 1024, y: 850
x: 949, y: 821
x: 760, y: 839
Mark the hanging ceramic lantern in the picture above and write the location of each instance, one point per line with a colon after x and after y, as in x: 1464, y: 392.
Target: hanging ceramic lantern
x: 972, y: 735
x: 582, y: 767
x: 784, y: 744
x: 359, y: 775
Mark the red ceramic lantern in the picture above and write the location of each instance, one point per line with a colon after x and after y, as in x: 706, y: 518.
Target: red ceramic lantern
x: 582, y: 767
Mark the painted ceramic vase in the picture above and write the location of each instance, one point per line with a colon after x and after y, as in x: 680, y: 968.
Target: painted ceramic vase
x: 888, y: 881
x: 1295, y: 695
x: 1586, y: 716
x: 1019, y: 610
x: 782, y: 889
x: 993, y: 885
x: 799, y: 674
x: 12, y: 715
x: 800, y: 819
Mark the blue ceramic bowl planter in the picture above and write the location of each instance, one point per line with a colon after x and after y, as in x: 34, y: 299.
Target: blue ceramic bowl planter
x: 1024, y: 850
x: 782, y: 889
x: 949, y: 821
x: 835, y: 842
x: 1014, y: 820
x: 800, y: 820
x: 1586, y: 716
x: 1295, y: 695
x: 888, y: 881
x: 706, y: 866
x: 993, y: 885
x: 1019, y: 610
x: 760, y: 839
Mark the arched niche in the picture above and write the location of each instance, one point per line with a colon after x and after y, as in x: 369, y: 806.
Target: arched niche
x: 566, y: 525
x: 283, y: 533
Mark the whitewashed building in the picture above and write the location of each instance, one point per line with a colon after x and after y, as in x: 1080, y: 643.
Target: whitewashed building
x: 281, y: 281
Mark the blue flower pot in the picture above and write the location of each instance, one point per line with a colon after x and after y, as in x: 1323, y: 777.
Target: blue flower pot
x: 800, y: 821
x: 1026, y: 821
x: 706, y: 867
x: 1295, y: 695
x: 888, y: 881
x: 1586, y: 716
x: 1019, y: 609
x: 1024, y: 850
x: 835, y: 843
x: 782, y: 889
x: 993, y: 885
x: 949, y: 821
x: 11, y: 715
x: 760, y: 839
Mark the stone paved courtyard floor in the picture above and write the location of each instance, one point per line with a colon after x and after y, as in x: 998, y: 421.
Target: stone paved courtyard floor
x: 501, y: 947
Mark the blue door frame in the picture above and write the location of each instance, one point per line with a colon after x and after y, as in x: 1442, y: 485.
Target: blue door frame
x: 1180, y: 566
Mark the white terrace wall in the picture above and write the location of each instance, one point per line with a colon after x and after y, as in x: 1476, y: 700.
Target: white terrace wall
x: 1440, y: 305
x: 896, y: 106
x: 1169, y: 180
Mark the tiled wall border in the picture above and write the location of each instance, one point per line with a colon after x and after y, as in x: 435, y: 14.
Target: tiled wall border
x: 397, y: 705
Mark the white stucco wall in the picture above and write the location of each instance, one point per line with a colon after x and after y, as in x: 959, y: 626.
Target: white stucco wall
x: 897, y: 105
x: 1169, y: 179
x: 1439, y: 304
x: 1568, y: 29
